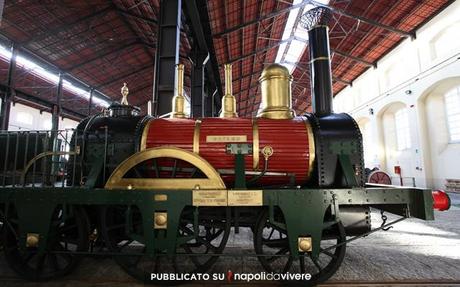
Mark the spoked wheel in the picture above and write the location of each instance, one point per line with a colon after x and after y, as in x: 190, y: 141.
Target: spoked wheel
x: 208, y: 240
x: 123, y: 231
x: 270, y: 240
x: 122, y: 228
x: 68, y: 233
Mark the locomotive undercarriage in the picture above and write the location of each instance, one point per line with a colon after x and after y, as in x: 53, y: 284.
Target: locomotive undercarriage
x: 194, y: 237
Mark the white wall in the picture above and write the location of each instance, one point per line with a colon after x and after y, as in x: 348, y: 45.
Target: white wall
x: 26, y: 118
x: 414, y: 75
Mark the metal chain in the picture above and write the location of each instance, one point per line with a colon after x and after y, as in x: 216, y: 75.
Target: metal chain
x: 384, y: 220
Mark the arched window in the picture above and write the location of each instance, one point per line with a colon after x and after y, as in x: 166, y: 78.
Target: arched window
x: 402, y: 129
x: 452, y: 104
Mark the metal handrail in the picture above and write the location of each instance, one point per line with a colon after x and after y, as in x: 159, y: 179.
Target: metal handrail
x: 40, y: 156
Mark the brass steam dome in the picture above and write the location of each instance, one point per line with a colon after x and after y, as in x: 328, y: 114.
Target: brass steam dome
x: 275, y: 82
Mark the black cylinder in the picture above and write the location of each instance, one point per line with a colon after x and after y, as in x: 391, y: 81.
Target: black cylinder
x: 320, y: 70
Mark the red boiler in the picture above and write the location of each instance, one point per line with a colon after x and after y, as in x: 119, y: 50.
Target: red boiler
x: 291, y: 141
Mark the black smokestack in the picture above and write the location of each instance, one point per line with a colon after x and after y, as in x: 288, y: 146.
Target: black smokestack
x: 315, y: 21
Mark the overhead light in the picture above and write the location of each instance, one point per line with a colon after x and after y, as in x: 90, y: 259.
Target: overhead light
x: 49, y: 76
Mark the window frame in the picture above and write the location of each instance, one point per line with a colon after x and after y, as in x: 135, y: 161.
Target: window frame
x: 408, y: 140
x: 449, y: 132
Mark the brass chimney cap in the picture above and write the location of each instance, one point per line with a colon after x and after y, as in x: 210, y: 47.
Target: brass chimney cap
x: 275, y: 71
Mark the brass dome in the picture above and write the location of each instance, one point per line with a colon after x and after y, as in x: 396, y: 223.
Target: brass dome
x: 275, y: 82
x: 275, y: 71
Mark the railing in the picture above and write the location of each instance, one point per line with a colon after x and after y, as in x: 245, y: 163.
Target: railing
x: 37, y: 158
x: 403, y: 181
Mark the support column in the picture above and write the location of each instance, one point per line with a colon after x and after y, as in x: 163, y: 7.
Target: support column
x: 167, y: 55
x: 198, y: 94
x: 209, y: 105
x: 57, y: 106
x: 9, y: 94
x: 90, y: 101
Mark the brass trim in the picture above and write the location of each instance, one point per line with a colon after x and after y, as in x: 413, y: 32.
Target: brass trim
x: 304, y: 244
x: 255, y: 144
x: 41, y: 155
x: 212, y: 180
x: 160, y: 220
x: 124, y: 93
x: 160, y: 197
x: 311, y: 146
x: 245, y: 197
x: 216, y: 197
x: 178, y: 101
x: 145, y: 132
x: 319, y: 59
x: 196, y: 137
x: 227, y: 138
x: 275, y: 84
x: 267, y: 152
x: 228, y: 100
x: 32, y: 239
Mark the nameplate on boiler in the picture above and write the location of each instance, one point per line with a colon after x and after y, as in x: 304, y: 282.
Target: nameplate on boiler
x: 226, y: 138
x: 209, y: 197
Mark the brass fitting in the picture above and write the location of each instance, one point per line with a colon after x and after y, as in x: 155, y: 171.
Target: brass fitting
x: 275, y: 82
x: 305, y: 244
x: 178, y: 101
x: 228, y: 101
x: 32, y: 239
x: 160, y: 220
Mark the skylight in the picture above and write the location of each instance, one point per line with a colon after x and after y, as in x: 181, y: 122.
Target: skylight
x: 49, y: 76
x: 289, y: 53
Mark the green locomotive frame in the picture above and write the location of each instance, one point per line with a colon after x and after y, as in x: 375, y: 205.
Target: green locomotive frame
x: 35, y: 207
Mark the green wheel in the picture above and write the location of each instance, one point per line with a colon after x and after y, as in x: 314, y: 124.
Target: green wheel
x: 271, y: 242
x: 68, y: 234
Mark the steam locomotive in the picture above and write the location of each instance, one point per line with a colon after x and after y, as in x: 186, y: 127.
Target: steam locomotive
x: 164, y: 194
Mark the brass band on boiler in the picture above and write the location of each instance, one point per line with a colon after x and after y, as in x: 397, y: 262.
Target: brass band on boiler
x: 196, y: 137
x: 255, y: 144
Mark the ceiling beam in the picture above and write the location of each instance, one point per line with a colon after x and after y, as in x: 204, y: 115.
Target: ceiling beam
x: 131, y: 29
x: 262, y: 18
x: 57, y: 30
x: 108, y: 52
x: 305, y: 67
x: 124, y: 76
x: 368, y: 21
x: 136, y: 16
x: 356, y: 59
x: 340, y: 80
x: 34, y: 100
x: 266, y: 49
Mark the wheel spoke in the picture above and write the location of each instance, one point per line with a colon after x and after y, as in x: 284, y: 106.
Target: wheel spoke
x: 302, y: 264
x: 332, y: 255
x: 53, y: 259
x: 275, y: 243
x: 315, y: 262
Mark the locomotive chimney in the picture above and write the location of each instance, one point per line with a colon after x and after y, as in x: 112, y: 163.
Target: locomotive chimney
x: 228, y: 101
x: 178, y: 101
x: 275, y: 82
x: 315, y: 21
